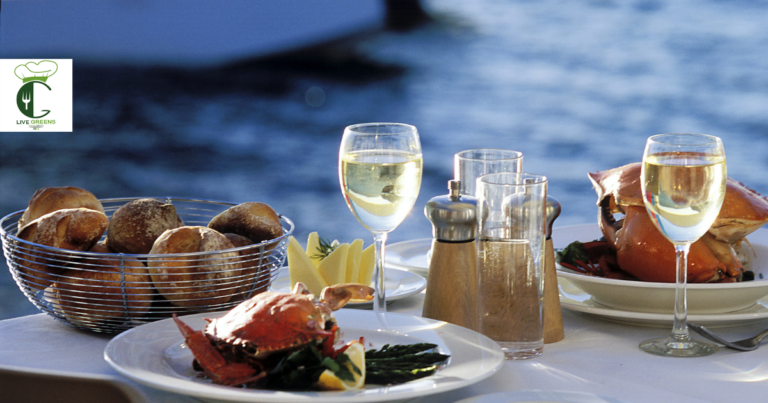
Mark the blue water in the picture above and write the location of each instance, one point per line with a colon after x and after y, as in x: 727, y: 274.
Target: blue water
x: 576, y: 86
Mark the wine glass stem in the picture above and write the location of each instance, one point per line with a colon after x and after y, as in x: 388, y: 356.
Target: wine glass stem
x: 680, y: 327
x: 379, y: 302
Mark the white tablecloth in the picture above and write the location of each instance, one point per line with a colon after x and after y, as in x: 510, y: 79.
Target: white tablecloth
x: 596, y: 357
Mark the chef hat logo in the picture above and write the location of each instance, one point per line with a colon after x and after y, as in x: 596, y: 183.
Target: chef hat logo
x: 32, y: 71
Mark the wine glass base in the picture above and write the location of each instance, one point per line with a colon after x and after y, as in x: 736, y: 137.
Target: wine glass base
x: 683, y: 346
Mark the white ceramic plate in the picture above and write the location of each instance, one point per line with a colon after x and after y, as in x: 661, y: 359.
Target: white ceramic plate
x: 575, y: 299
x: 540, y: 396
x: 398, y: 284
x: 640, y: 296
x: 409, y: 255
x: 155, y: 355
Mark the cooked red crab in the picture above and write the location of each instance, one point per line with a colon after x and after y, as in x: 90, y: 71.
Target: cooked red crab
x: 235, y: 348
x: 643, y: 251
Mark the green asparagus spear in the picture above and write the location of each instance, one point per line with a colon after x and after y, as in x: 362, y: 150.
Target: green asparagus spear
x: 388, y: 377
x: 401, y: 363
x: 398, y: 350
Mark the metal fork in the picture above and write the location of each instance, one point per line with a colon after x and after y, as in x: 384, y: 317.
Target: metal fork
x: 742, y: 345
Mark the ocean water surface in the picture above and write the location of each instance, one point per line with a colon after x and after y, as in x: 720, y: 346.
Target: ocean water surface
x: 576, y: 86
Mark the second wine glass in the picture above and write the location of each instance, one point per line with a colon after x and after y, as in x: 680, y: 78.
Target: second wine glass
x: 380, y: 167
x: 683, y: 179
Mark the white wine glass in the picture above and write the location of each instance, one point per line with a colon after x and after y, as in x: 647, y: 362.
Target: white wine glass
x: 380, y: 168
x: 683, y: 181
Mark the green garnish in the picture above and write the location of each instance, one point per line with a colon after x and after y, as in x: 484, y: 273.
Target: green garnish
x: 325, y: 248
x: 573, y: 252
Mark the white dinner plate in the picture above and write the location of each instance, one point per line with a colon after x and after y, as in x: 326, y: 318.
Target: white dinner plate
x: 575, y: 299
x: 540, y: 396
x: 398, y: 284
x: 641, y: 296
x: 155, y: 355
x: 410, y: 255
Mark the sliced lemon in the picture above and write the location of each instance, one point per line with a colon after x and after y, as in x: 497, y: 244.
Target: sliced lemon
x: 313, y: 248
x: 367, y: 262
x: 301, y: 268
x: 353, y: 261
x: 329, y: 381
x: 334, y: 267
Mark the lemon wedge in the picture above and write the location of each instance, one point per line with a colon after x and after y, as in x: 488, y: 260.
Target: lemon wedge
x: 348, y: 263
x: 353, y: 261
x: 334, y: 267
x: 301, y: 268
x: 313, y: 248
x: 328, y: 379
x: 367, y: 260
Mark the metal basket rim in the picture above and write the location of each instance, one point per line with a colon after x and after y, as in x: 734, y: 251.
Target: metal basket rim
x: 5, y: 235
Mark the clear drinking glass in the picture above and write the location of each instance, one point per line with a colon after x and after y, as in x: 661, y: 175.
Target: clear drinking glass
x: 683, y: 180
x: 380, y: 168
x: 511, y: 209
x: 468, y: 165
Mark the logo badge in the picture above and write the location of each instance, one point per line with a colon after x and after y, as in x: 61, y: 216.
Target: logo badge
x: 32, y: 99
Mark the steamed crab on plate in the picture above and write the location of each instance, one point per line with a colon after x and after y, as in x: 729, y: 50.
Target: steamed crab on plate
x: 249, y: 343
x: 642, y: 251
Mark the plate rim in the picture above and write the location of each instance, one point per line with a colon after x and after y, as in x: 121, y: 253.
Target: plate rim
x: 401, y: 266
x: 606, y: 311
x: 531, y: 395
x: 492, y: 359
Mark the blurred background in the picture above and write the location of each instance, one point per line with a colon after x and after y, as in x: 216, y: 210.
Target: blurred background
x: 247, y: 101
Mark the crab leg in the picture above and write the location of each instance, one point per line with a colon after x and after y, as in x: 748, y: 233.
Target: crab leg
x: 214, y: 365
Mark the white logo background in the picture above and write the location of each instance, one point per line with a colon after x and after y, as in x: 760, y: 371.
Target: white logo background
x: 58, y: 100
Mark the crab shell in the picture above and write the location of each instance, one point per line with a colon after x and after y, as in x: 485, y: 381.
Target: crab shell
x: 275, y: 321
x: 644, y: 252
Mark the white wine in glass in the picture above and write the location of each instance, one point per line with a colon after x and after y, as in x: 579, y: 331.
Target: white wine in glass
x: 380, y: 168
x: 683, y: 180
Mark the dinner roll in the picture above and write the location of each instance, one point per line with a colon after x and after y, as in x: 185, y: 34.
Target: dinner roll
x: 72, y: 229
x: 255, y: 221
x: 94, y: 291
x: 48, y: 200
x: 238, y: 240
x: 253, y: 277
x: 198, y: 280
x: 135, y: 226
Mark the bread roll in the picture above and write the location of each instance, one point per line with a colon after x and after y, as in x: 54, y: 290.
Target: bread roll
x: 255, y: 221
x: 135, y: 226
x: 94, y: 291
x: 253, y: 276
x: 72, y: 229
x: 48, y: 200
x: 198, y: 280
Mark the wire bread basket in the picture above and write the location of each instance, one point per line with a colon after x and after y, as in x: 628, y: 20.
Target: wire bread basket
x: 113, y: 292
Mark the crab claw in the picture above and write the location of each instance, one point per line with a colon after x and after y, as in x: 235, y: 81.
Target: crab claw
x: 338, y: 295
x: 214, y: 365
x: 300, y: 289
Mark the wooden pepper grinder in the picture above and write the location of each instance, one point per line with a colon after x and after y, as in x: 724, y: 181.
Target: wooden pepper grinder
x: 451, y: 294
x: 553, y: 315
